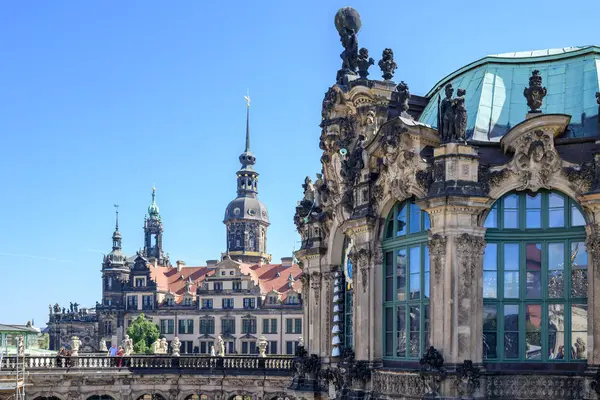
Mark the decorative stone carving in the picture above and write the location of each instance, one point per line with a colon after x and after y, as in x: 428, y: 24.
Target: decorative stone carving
x: 535, y: 93
x: 467, y: 379
x: 394, y: 383
x: 262, y: 346
x: 387, y: 64
x: 535, y: 387
x: 156, y: 347
x: 102, y: 346
x: 315, y: 285
x: 403, y: 97
x: 535, y: 160
x: 175, y: 347
x: 347, y: 23
x: 433, y: 371
x: 583, y: 177
x: 127, y: 345
x: 364, y: 62
x: 333, y: 97
x: 437, y: 252
x: 164, y: 346
x: 460, y: 116
x: 452, y: 116
x: 21, y: 346
x: 469, y: 250
x: 75, y: 345
x: 360, y: 260
x: 490, y: 179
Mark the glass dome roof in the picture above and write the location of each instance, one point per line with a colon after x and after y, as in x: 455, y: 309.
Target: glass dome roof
x: 495, y: 85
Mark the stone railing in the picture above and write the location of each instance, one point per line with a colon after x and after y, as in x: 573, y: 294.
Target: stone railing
x: 133, y: 363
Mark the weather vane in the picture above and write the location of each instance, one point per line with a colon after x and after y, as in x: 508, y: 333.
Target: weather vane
x: 247, y: 97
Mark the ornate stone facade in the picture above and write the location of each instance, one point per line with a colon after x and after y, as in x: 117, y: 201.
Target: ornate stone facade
x: 376, y: 153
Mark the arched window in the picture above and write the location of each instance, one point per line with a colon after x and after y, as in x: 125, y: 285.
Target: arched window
x: 406, y: 283
x: 348, y: 296
x: 535, y: 279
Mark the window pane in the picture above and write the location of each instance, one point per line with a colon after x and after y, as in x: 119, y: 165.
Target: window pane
x: 511, y: 331
x: 389, y: 274
x: 426, y: 269
x: 401, y: 274
x: 426, y: 325
x: 556, y: 265
x: 389, y: 331
x: 511, y: 257
x: 533, y: 265
x: 490, y: 276
x: 511, y: 211
x: 533, y: 205
x: 401, y: 331
x: 415, y: 331
x: 579, y: 260
x: 389, y: 230
x: 490, y: 257
x: 579, y: 318
x: 491, y: 221
x: 557, y: 211
x: 415, y: 218
x: 415, y: 272
x: 556, y: 331
x: 401, y: 221
x: 576, y: 217
x: 490, y: 326
x: 533, y: 332
x: 426, y: 222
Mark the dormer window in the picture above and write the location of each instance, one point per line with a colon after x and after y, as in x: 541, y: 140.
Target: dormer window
x: 292, y: 299
x: 272, y: 299
x: 222, y: 273
x: 169, y: 301
x: 187, y: 301
x: 140, y: 282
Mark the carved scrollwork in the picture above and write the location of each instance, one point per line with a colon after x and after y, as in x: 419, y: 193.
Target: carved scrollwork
x: 315, y: 285
x: 467, y: 379
x: 437, y: 252
x: 360, y: 258
x: 582, y: 177
x: 433, y: 371
x: 535, y: 160
x: 469, y: 249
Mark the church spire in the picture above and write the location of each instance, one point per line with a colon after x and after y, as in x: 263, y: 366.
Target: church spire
x: 117, y: 235
x: 247, y: 177
x: 247, y: 97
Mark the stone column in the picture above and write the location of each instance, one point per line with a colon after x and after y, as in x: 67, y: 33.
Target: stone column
x: 591, y: 205
x: 456, y: 246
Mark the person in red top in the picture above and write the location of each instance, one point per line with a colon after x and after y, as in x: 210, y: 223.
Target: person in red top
x: 120, y: 353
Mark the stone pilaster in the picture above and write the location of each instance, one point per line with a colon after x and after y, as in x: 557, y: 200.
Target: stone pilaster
x: 456, y: 245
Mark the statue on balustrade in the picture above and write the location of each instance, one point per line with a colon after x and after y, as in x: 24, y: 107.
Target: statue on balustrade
x: 156, y: 347
x: 103, y: 347
x: 220, y: 346
x: 175, y: 347
x: 164, y: 346
x: 21, y: 346
x: 127, y: 345
x: 452, y: 116
x: 56, y: 308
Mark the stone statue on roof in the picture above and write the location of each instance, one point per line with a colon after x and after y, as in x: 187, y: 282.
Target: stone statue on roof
x: 163, y: 346
x: 220, y: 346
x: 127, y: 345
x: 309, y: 190
x: 446, y: 115
x: 175, y: 347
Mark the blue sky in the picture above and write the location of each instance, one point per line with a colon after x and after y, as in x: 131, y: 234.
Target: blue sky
x: 99, y: 101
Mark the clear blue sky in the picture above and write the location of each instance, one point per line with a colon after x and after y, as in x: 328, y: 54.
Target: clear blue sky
x: 99, y: 100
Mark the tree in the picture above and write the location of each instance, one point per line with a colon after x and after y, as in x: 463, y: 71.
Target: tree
x: 143, y: 333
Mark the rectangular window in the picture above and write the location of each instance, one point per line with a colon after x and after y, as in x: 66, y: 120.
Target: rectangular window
x: 490, y: 332
x: 207, y: 304
x: 139, y: 282
x: 289, y: 324
x: 147, y: 302
x: 298, y: 325
x: 186, y: 326
x: 579, y: 270
x: 556, y: 331
x: 401, y: 275
x: 132, y: 302
x: 167, y: 326
x: 218, y: 287
x: 389, y: 276
x: 249, y: 325
x: 249, y: 302
x: 511, y: 270
x: 203, y: 348
x: 511, y: 331
x: 237, y: 286
x: 426, y: 271
x: 228, y: 326
x: 576, y: 217
x: 533, y: 269
x: 415, y: 272
x: 556, y: 270
x: 244, y: 347
x: 272, y: 349
x: 490, y: 271
x: 228, y: 303
x: 579, y: 327
x: 265, y: 326
x: 207, y: 326
x: 273, y: 325
x: 290, y: 347
x: 389, y: 331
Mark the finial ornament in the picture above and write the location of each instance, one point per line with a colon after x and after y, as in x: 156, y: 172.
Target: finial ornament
x: 347, y: 23
x: 403, y: 96
x: 535, y: 93
x: 117, y: 212
x: 364, y: 62
x: 247, y: 97
x: 387, y: 64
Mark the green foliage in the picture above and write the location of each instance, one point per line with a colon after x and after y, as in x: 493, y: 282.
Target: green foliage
x: 143, y: 333
x: 44, y: 341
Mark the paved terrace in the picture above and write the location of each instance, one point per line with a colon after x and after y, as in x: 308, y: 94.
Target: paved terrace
x: 156, y: 377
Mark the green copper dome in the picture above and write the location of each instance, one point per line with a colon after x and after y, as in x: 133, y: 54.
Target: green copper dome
x: 495, y: 85
x: 153, y: 211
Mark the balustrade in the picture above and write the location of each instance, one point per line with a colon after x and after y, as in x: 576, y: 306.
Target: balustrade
x: 141, y: 362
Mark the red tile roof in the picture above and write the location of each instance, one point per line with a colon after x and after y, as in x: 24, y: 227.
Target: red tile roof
x: 274, y: 276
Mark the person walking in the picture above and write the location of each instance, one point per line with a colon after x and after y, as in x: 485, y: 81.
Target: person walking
x: 120, y: 353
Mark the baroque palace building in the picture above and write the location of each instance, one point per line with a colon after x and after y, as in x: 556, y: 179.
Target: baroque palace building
x: 240, y: 298
x: 450, y: 242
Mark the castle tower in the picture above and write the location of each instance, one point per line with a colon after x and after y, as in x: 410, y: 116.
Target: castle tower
x: 114, y: 269
x: 153, y: 231
x: 246, y: 217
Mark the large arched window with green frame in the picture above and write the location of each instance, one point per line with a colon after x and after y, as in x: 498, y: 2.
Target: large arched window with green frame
x: 406, y: 283
x: 535, y: 280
